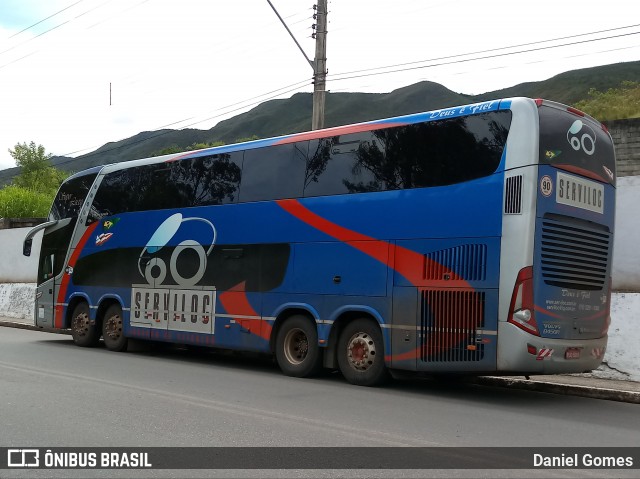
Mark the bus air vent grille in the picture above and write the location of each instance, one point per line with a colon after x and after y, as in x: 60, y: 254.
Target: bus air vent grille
x: 513, y: 195
x: 469, y: 261
x: 450, y: 323
x: 574, y: 254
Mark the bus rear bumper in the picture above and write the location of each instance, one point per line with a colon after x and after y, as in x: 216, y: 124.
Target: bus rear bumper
x: 519, y: 351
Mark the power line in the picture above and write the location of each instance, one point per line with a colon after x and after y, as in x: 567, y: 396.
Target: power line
x: 287, y: 89
x: 50, y: 30
x: 45, y: 19
x: 373, y: 72
x: 296, y: 86
x: 495, y: 49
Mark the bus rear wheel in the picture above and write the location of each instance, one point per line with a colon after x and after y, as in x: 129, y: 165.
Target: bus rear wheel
x: 361, y: 353
x: 83, y: 332
x: 113, y: 329
x: 297, y: 350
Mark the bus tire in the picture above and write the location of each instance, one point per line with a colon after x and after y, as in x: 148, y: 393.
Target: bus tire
x: 82, y: 331
x: 297, y: 350
x: 113, y: 329
x: 361, y: 353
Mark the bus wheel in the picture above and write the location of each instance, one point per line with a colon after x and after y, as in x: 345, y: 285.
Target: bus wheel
x: 83, y: 333
x: 297, y: 350
x: 112, y: 329
x: 361, y: 353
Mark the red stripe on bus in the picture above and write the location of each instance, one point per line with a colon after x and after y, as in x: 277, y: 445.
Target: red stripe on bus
x: 336, y: 131
x: 64, y: 285
x: 581, y: 171
x: 407, y: 263
x: 236, y: 303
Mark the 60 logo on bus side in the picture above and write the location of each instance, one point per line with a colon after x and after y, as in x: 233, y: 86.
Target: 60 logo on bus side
x: 582, y: 137
x: 161, y: 238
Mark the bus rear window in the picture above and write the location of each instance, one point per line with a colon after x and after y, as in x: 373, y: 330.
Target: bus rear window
x: 576, y: 144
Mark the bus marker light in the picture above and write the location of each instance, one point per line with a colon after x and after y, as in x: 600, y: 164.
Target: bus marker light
x: 532, y: 349
x: 471, y: 347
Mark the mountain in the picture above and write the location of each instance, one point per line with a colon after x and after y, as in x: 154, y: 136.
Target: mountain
x: 292, y: 115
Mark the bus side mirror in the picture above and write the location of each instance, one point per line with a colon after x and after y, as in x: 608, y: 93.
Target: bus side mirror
x: 26, y: 247
x: 28, y: 240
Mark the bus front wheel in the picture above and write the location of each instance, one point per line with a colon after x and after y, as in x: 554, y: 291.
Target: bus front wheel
x: 112, y: 329
x: 361, y: 353
x: 82, y: 331
x: 297, y: 350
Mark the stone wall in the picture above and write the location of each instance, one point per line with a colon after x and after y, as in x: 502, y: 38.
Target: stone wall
x: 626, y: 138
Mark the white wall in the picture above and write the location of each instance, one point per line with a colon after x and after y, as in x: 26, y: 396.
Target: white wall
x: 14, y: 266
x: 626, y: 244
x: 17, y: 300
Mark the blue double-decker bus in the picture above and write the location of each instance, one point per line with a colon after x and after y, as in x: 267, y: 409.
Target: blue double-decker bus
x: 475, y: 239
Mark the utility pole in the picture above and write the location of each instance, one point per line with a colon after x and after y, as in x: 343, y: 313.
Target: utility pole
x: 319, y: 64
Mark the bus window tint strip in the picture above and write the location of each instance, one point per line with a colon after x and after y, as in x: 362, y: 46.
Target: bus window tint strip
x: 401, y: 157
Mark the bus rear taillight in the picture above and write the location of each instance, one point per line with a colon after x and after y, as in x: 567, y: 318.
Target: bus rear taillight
x: 521, y: 311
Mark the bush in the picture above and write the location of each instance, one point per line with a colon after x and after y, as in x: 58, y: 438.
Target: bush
x: 17, y: 202
x: 614, y: 104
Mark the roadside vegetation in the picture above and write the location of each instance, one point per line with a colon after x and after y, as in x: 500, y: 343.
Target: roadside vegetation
x: 18, y: 202
x: 613, y: 104
x: 32, y: 191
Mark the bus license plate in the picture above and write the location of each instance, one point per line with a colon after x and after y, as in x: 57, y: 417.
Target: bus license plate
x: 572, y: 353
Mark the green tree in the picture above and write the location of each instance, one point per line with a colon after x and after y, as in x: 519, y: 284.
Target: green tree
x: 36, y: 173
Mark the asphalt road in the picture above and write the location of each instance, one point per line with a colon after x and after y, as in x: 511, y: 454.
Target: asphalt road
x: 54, y: 394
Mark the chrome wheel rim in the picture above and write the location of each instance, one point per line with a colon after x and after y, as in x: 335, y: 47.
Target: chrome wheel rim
x: 361, y: 351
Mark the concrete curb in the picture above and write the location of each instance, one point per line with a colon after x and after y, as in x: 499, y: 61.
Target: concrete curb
x: 31, y: 327
x: 559, y: 388
x: 594, y: 392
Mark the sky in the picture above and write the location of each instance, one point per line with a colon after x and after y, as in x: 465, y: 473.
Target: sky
x: 76, y: 74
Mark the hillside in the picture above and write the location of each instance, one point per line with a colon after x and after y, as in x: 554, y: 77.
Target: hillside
x: 292, y: 115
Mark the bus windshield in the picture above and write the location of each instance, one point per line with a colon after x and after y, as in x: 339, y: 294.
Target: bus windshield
x: 576, y: 143
x: 71, y: 196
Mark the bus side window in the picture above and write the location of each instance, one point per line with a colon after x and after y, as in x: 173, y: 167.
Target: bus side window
x: 336, y: 166
x: 274, y: 172
x: 116, y: 194
x: 208, y: 180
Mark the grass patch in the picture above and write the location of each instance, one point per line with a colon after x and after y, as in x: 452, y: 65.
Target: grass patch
x: 17, y: 202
